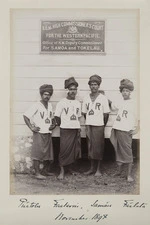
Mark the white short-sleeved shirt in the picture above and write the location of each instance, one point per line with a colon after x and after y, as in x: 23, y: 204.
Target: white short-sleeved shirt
x: 95, y: 110
x: 69, y: 111
x: 40, y: 116
x: 126, y: 118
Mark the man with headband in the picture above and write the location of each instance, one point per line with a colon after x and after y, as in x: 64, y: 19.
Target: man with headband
x: 125, y: 125
x: 95, y: 108
x: 67, y: 114
x: 39, y: 118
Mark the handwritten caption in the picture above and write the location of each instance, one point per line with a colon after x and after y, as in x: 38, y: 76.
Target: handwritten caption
x: 61, y: 204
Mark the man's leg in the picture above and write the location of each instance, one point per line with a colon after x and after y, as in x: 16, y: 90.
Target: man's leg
x: 36, y: 164
x: 98, y: 171
x: 46, y: 168
x: 62, y: 173
x: 119, y: 167
x: 118, y: 173
x: 129, y: 177
x: 91, y: 170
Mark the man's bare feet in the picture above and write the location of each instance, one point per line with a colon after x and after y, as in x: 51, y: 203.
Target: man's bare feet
x: 72, y: 172
x: 89, y: 172
x: 39, y: 176
x: 117, y: 174
x: 98, y: 174
x: 130, y: 179
x: 61, y: 176
x: 47, y: 174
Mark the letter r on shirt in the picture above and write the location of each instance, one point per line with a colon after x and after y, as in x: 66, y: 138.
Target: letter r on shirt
x: 124, y: 113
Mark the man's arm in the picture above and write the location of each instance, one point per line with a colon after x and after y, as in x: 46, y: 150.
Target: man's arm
x: 106, y: 116
x: 112, y: 105
x: 53, y: 125
x: 84, y: 114
x: 136, y: 130
x: 31, y: 127
x: 58, y: 120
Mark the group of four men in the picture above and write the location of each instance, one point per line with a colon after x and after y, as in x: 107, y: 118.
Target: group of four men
x: 41, y: 119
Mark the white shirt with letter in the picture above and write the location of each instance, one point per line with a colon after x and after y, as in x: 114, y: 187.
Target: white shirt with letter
x: 95, y: 110
x: 69, y: 111
x: 40, y: 116
x: 126, y: 118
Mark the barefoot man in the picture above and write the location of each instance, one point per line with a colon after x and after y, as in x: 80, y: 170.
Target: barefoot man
x: 124, y: 127
x: 68, y: 110
x: 39, y: 118
x: 95, y: 108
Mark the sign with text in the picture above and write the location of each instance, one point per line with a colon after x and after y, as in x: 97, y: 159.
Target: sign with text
x: 72, y: 36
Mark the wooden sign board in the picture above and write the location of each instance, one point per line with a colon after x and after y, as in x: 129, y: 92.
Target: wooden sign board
x: 72, y: 36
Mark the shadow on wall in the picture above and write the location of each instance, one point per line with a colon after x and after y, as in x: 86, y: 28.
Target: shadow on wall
x: 21, y: 149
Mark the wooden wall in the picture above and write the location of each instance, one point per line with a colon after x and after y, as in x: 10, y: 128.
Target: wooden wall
x: 30, y: 69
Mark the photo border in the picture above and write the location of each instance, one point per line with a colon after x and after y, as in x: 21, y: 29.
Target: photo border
x: 10, y: 213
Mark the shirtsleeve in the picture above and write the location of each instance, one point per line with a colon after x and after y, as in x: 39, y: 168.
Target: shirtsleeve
x: 79, y: 114
x: 31, y: 111
x: 115, y: 105
x: 84, y: 108
x: 106, y: 106
x: 136, y: 113
x: 58, y: 110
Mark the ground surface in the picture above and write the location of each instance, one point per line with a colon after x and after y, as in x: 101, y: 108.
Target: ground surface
x: 78, y: 184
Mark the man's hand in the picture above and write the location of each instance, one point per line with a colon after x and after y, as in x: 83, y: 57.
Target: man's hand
x: 133, y: 132
x: 52, y: 126
x: 35, y: 129
x: 136, y: 130
x: 57, y: 120
x: 106, y: 116
x: 32, y: 127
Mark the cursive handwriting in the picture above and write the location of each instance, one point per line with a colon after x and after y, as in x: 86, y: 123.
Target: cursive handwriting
x: 61, y: 204
x: 97, y: 204
x: 24, y: 203
x: 132, y: 204
x: 61, y: 216
x: 97, y: 217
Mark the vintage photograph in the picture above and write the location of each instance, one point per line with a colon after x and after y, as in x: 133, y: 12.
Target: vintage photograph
x: 75, y: 102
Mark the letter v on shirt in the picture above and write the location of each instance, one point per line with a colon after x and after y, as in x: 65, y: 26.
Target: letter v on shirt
x: 69, y: 111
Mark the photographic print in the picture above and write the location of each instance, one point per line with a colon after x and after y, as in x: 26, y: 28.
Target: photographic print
x: 75, y: 112
x: 75, y: 102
